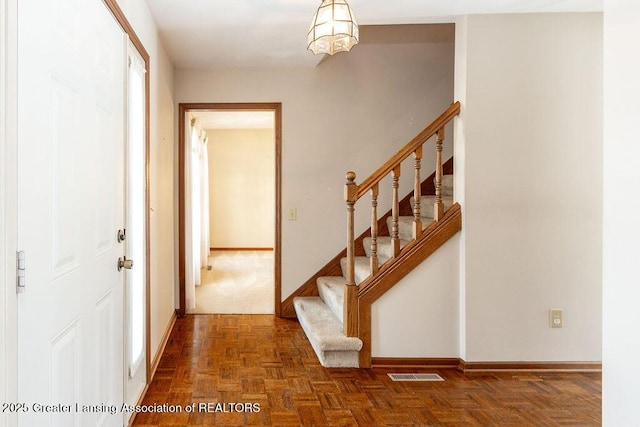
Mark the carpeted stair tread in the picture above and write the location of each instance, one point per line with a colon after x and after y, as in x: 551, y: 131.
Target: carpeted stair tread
x: 331, y: 290
x: 385, y: 250
x: 447, y: 185
x: 405, y: 226
x: 324, y: 331
x: 363, y: 268
x: 426, y: 204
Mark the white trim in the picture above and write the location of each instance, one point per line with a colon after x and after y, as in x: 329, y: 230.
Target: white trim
x: 8, y: 214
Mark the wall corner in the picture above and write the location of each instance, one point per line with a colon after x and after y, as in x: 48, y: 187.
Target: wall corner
x: 459, y: 144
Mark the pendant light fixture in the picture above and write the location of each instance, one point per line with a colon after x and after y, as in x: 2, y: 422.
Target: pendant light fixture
x: 333, y: 28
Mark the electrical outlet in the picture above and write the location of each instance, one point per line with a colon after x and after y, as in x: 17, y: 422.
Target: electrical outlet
x: 555, y: 318
x: 293, y: 214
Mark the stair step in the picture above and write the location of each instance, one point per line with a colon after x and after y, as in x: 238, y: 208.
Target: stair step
x: 447, y: 185
x: 385, y: 250
x: 331, y: 289
x: 333, y: 348
x: 405, y: 226
x: 426, y: 204
x: 363, y: 268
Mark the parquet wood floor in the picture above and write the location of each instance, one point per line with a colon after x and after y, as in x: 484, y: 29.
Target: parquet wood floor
x: 267, y: 361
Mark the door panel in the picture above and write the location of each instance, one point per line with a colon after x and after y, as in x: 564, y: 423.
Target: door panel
x: 71, y: 67
x: 63, y: 201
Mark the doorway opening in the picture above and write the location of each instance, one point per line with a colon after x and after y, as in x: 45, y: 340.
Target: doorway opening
x: 229, y: 208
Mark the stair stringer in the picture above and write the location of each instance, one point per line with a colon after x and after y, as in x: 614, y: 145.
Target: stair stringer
x: 414, y: 253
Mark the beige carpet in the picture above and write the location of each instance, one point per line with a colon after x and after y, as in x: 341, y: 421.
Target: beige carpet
x: 239, y: 282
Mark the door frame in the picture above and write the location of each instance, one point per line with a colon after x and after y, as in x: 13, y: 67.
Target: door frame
x: 183, y: 109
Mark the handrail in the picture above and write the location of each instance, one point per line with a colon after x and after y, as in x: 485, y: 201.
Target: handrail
x: 400, y: 156
x: 353, y: 192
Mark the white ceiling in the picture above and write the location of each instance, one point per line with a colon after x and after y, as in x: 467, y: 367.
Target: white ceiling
x: 273, y: 33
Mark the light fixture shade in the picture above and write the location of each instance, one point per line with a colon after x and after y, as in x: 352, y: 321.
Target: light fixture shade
x: 333, y: 28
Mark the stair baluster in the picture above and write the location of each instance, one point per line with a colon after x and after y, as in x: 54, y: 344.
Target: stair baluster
x: 395, y: 212
x: 374, y: 262
x: 417, y: 220
x: 438, y: 206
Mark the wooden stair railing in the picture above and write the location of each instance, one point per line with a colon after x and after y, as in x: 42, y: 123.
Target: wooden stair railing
x: 353, y: 192
x: 333, y: 268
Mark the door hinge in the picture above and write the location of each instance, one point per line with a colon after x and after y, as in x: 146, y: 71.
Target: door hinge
x: 20, y: 272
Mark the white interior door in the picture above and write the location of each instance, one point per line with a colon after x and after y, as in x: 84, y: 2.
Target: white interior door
x: 135, y: 213
x: 71, y: 68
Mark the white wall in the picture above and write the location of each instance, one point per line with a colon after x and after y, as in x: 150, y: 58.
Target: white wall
x: 530, y: 155
x: 352, y: 112
x: 8, y: 207
x: 418, y: 317
x: 241, y: 188
x: 161, y: 170
x: 621, y: 320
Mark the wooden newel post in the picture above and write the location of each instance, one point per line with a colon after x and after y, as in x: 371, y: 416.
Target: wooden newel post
x: 438, y: 206
x: 350, y: 290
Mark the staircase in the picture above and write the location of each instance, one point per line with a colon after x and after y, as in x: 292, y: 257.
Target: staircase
x: 335, y: 311
x: 322, y: 316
